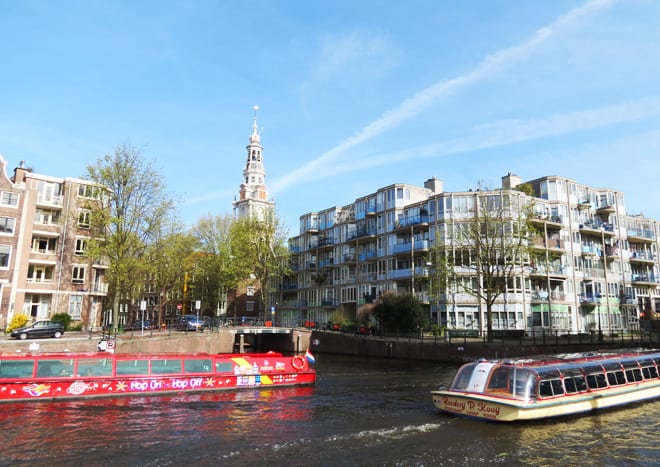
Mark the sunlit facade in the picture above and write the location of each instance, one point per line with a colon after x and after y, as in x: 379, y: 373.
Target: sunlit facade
x: 44, y: 234
x: 598, y: 266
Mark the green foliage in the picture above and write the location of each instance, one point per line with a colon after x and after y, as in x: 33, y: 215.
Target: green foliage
x: 401, y: 312
x: 525, y: 188
x: 127, y: 219
x: 18, y: 321
x: 260, y: 253
x: 77, y: 326
x: 62, y: 318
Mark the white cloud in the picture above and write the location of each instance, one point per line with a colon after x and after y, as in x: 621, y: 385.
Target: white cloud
x: 414, y: 105
x: 344, y: 59
x: 507, y: 132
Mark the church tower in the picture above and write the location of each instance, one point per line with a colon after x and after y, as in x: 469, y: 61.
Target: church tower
x: 253, y: 196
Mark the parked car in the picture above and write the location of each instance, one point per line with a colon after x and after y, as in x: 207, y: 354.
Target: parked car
x: 189, y: 323
x: 138, y: 326
x: 39, y: 329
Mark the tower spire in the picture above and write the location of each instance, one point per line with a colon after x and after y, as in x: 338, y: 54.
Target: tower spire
x: 253, y: 194
x: 255, y: 133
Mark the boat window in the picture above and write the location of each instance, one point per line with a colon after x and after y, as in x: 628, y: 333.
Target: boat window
x: 549, y: 372
x: 616, y: 378
x: 11, y: 369
x: 524, y: 386
x: 198, y: 365
x: 95, y: 367
x: 500, y: 380
x: 649, y: 371
x: 646, y: 362
x: 224, y: 367
x: 612, y: 366
x: 633, y: 375
x: 550, y: 387
x: 55, y: 368
x: 165, y: 366
x: 596, y: 381
x: 133, y: 367
x: 575, y: 384
x: 462, y: 379
x: 595, y: 375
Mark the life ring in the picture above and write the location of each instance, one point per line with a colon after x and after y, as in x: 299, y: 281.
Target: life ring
x: 298, y: 362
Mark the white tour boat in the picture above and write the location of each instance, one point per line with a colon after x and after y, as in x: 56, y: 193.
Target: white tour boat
x: 544, y: 387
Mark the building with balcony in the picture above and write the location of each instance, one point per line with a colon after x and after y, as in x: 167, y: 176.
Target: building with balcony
x: 594, y: 265
x: 44, y: 234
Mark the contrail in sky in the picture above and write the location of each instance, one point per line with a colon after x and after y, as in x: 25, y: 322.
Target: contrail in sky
x: 412, y: 106
x: 509, y: 132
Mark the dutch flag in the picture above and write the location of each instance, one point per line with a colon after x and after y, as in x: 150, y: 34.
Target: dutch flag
x: 309, y: 357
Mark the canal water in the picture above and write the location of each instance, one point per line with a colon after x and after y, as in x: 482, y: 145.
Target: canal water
x: 362, y: 412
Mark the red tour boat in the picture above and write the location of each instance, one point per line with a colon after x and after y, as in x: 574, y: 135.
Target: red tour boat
x: 44, y: 376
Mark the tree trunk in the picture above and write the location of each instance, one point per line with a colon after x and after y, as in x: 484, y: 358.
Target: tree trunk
x: 489, y: 321
x: 115, y: 313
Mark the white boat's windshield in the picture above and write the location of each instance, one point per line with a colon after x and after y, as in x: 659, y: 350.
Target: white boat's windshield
x: 499, y: 379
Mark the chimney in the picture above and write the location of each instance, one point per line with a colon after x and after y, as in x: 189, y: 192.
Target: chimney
x: 435, y: 185
x: 510, y: 181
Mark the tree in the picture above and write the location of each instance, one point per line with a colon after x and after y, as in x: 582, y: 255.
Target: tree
x: 486, y: 251
x: 216, y: 271
x: 260, y: 253
x: 400, y: 312
x: 168, y: 262
x: 128, y: 220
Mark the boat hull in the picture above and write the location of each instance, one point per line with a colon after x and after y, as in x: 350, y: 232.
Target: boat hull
x: 551, y: 386
x: 216, y: 373
x: 495, y: 409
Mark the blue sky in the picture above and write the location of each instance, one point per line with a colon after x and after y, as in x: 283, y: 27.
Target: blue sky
x: 353, y: 95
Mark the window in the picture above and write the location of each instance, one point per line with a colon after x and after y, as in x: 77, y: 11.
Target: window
x: 616, y: 378
x: 46, y: 217
x: 165, y: 366
x: 44, y: 244
x: 40, y: 273
x: 84, y: 217
x: 12, y: 369
x: 75, y: 306
x: 5, y: 250
x: 575, y: 384
x: 596, y: 381
x: 7, y: 225
x: 198, y: 366
x: 132, y: 367
x: 649, y: 372
x: 49, y: 192
x: 9, y: 199
x: 549, y: 388
x: 78, y: 275
x: 81, y: 246
x: 95, y: 367
x: 633, y: 375
x: 88, y: 191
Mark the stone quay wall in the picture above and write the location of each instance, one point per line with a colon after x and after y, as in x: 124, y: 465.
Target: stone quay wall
x: 459, y: 350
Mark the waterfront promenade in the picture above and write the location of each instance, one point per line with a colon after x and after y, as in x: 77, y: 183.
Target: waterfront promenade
x: 412, y: 346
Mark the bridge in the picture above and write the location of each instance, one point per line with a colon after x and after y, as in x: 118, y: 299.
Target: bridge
x: 225, y: 339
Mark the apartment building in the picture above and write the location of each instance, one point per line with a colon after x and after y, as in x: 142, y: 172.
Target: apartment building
x: 44, y: 234
x: 596, y: 264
